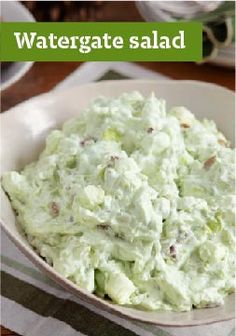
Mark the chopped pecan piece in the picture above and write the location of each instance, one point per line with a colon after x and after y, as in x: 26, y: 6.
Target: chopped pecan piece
x: 222, y: 142
x: 185, y: 125
x: 208, y: 163
x: 88, y: 140
x: 54, y: 208
x: 114, y: 157
x: 103, y: 226
x: 150, y: 130
x: 112, y: 160
x: 119, y: 236
x: 173, y: 251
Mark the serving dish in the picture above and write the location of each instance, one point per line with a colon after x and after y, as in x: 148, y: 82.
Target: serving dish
x: 25, y: 127
x: 16, y: 12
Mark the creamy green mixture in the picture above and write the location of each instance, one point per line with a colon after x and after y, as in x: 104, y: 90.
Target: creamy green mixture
x: 134, y: 202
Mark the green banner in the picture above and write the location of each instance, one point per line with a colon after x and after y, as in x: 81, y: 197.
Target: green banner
x: 101, y: 41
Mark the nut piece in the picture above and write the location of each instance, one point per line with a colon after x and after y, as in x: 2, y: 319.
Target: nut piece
x: 208, y: 163
x: 173, y: 251
x: 222, y: 142
x: 185, y: 125
x: 185, y: 117
x: 113, y: 158
x: 103, y: 226
x: 54, y: 207
x: 88, y: 141
x: 150, y: 130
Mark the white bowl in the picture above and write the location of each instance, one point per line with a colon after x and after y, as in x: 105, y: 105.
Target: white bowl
x: 16, y: 12
x: 25, y: 127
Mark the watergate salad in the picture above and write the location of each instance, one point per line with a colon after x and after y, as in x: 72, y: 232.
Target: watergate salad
x: 135, y: 203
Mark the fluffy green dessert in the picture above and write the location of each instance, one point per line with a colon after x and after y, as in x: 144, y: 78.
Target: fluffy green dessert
x: 134, y: 202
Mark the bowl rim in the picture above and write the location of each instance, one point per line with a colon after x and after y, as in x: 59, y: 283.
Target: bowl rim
x: 67, y: 284
x: 94, y: 299
x: 23, y: 69
x: 23, y: 66
x: 54, y: 91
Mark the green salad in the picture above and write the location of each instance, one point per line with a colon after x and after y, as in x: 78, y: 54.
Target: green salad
x: 134, y: 202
